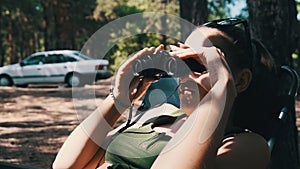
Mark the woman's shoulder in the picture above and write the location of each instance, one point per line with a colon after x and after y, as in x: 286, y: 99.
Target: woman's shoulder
x: 244, y: 150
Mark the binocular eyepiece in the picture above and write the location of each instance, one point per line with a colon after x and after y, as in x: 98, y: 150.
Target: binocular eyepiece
x: 161, y: 65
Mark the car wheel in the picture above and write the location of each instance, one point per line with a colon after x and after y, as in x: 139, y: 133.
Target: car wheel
x: 73, y: 80
x: 5, y: 81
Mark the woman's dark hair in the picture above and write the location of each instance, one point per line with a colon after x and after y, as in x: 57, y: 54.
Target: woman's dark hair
x: 255, y: 108
x: 232, y: 41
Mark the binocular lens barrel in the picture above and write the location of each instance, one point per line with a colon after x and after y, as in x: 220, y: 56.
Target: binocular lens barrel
x: 162, y: 65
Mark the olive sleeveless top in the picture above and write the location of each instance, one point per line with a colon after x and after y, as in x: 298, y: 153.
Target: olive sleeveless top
x: 137, y: 148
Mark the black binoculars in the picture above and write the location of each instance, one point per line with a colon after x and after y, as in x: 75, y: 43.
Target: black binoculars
x: 162, y: 64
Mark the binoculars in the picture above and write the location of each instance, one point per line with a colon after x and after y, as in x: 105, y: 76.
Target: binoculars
x: 162, y: 64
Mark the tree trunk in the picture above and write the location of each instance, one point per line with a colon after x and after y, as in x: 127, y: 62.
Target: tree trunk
x: 193, y: 11
x: 2, y: 49
x: 10, y: 39
x: 45, y: 24
x: 273, y: 22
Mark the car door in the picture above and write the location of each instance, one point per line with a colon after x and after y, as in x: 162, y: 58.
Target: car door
x: 55, y: 68
x: 31, y: 70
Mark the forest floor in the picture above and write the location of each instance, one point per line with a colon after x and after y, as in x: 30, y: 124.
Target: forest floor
x: 35, y: 121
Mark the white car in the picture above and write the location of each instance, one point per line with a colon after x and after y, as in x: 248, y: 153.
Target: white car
x: 58, y: 66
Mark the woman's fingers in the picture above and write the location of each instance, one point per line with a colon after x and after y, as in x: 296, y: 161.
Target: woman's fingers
x: 174, y: 48
x: 125, y: 79
x: 160, y: 47
x: 204, y: 81
x: 184, y: 53
x: 140, y: 87
x: 188, y: 53
x: 181, y: 45
x: 148, y: 51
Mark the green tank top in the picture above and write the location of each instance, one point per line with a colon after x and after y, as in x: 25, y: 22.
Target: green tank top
x: 137, y: 148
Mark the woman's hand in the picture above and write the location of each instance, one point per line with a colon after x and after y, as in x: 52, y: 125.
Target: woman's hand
x: 210, y: 57
x: 129, y: 88
x: 197, y: 140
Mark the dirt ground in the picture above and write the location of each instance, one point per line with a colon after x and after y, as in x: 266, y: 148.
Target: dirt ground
x: 35, y: 121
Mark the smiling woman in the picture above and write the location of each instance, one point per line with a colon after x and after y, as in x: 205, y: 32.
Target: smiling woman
x: 206, y: 132
x: 61, y: 66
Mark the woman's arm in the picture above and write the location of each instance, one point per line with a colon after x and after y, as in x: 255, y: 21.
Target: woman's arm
x: 85, y: 141
x: 245, y: 150
x: 196, y: 143
x: 83, y: 147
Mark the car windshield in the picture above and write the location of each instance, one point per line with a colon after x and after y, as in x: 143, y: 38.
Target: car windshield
x: 83, y: 56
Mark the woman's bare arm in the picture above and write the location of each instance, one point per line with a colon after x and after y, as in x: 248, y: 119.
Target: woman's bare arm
x: 83, y: 146
x: 196, y: 143
x: 84, y: 142
x: 245, y: 150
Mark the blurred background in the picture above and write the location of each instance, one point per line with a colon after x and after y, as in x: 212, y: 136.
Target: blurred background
x: 29, y: 26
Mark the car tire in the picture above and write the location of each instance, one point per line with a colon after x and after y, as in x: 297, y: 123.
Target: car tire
x: 6, y: 81
x: 74, y: 80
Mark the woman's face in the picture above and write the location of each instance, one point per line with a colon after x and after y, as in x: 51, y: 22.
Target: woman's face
x: 192, y: 89
x: 196, y: 85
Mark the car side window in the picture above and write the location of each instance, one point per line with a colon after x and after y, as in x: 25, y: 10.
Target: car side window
x: 69, y: 59
x: 54, y: 58
x: 34, y: 60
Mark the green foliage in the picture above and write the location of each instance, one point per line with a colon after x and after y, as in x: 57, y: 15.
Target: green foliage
x: 19, y: 23
x: 136, y: 39
x: 217, y: 9
x: 123, y: 10
x: 128, y: 46
x: 37, y: 25
x: 220, y: 9
x: 28, y: 26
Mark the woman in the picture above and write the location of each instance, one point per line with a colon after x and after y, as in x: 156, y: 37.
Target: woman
x: 209, y: 134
